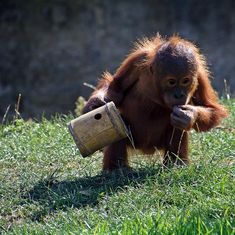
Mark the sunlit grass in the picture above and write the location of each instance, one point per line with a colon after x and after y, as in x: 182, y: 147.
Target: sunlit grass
x: 48, y: 188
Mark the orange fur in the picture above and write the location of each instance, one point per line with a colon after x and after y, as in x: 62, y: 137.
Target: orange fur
x: 139, y: 90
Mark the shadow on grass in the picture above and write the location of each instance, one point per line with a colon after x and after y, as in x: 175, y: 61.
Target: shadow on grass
x: 52, y: 195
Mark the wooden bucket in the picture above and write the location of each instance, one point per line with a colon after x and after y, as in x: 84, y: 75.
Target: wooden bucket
x: 97, y: 129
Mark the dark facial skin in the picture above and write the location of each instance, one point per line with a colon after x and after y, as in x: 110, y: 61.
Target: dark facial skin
x: 176, y: 91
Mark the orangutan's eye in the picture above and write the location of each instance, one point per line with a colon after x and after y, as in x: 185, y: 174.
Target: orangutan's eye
x: 171, y: 82
x: 185, y: 81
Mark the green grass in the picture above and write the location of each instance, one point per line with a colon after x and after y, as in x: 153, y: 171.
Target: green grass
x: 46, y: 187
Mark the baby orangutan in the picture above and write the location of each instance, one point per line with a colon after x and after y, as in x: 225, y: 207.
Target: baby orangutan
x: 162, y: 90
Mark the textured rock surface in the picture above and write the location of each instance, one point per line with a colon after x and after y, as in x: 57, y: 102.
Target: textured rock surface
x: 49, y: 48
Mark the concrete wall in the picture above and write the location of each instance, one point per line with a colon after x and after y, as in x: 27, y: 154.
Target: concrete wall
x: 49, y: 48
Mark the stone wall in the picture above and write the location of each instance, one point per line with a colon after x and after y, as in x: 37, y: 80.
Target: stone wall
x: 49, y: 48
